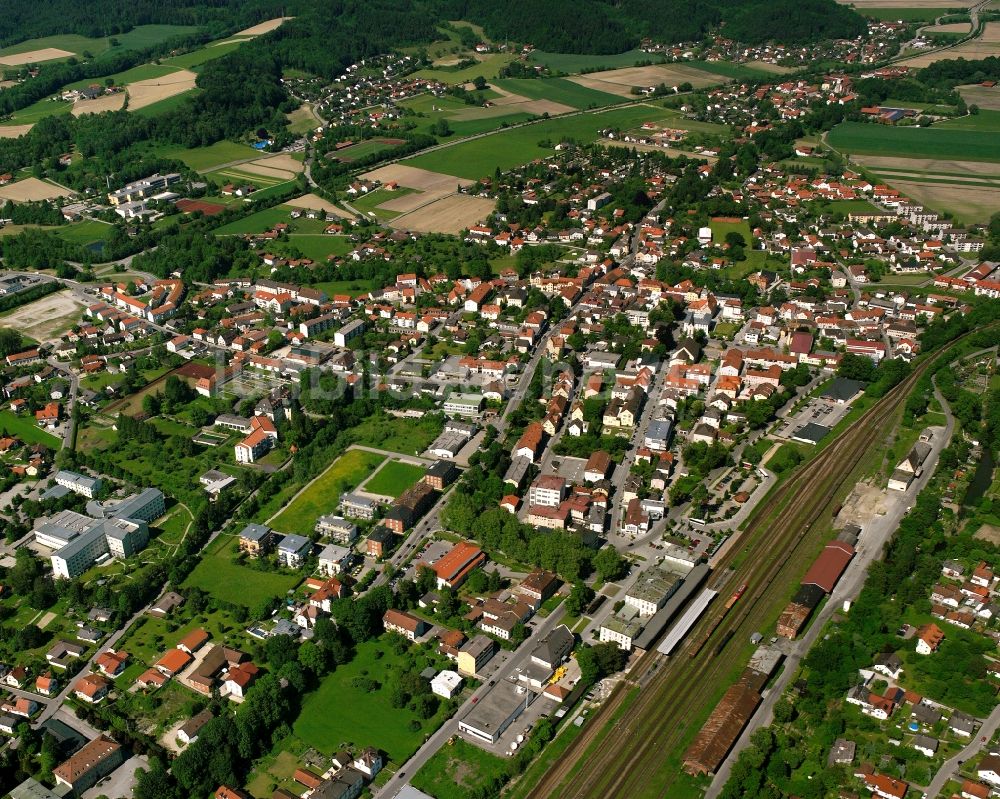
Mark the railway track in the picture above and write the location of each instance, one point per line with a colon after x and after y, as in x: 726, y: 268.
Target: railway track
x: 624, y: 759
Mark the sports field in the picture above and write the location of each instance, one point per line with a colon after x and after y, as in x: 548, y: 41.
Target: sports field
x: 507, y: 149
x: 935, y: 142
x: 394, y: 478
x: 323, y: 494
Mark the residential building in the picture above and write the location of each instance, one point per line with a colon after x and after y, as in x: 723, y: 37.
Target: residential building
x: 475, y: 654
x: 257, y: 540
x: 337, y: 529
x: 293, y: 551
x: 407, y: 625
x: 409, y: 507
x: 91, y: 764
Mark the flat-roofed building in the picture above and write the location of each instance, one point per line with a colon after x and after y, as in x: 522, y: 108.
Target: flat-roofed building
x: 475, y: 654
x: 495, y: 712
x: 652, y: 590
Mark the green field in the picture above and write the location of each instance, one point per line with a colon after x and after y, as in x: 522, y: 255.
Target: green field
x: 204, y: 159
x: 369, y: 203
x: 323, y: 494
x: 457, y: 770
x: 198, y: 57
x: 39, y: 110
x: 937, y: 142
x: 394, y: 478
x: 353, y: 287
x: 984, y: 120
x: 136, y: 39
x: 258, y: 222
x: 24, y: 428
x: 397, y: 434
x: 374, y: 721
x: 218, y: 575
x: 721, y: 229
x: 166, y: 105
x: 559, y: 90
x: 489, y: 67
x: 141, y: 72
x: 571, y: 63
x: 508, y: 149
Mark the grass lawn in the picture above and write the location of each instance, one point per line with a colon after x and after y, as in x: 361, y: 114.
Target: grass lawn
x: 150, y: 636
x: 204, y: 159
x: 457, y: 770
x: 318, y: 246
x: 571, y: 62
x: 721, y: 229
x: 369, y: 203
x: 559, y: 90
x: 136, y: 39
x: 505, y: 150
x: 207, y: 53
x: 353, y: 287
x: 24, y: 427
x: 370, y: 719
x: 937, y: 142
x: 323, y: 494
x: 143, y: 36
x: 394, y: 478
x: 219, y: 576
x: 406, y: 436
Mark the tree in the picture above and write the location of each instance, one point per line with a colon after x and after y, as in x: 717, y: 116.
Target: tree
x: 579, y: 598
x: 480, y: 83
x: 609, y: 564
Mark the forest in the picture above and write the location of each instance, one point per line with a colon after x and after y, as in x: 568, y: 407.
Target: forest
x: 27, y: 20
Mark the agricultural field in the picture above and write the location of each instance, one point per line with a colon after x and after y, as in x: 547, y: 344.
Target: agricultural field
x: 567, y: 92
x: 138, y: 38
x: 366, y: 147
x: 507, y: 149
x: 903, y: 14
x: 620, y: 82
x: 424, y: 186
x: 858, y: 138
x: 258, y: 222
x: 394, y: 478
x: 727, y: 69
x: 447, y: 215
x: 33, y: 190
x: 24, y: 427
x: 217, y: 574
x: 983, y: 46
x: 380, y: 725
x: 571, y: 63
x: 243, y: 174
x: 985, y: 120
x: 986, y: 97
x: 87, y: 232
x: 196, y: 58
x: 323, y: 494
x: 318, y: 246
x: 968, y: 189
x: 38, y: 110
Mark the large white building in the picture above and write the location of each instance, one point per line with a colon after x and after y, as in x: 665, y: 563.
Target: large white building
x: 79, y: 483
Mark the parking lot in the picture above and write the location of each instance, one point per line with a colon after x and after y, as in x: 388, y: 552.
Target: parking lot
x: 816, y: 411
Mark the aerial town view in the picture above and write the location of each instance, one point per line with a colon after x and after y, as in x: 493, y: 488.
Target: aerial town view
x: 535, y: 399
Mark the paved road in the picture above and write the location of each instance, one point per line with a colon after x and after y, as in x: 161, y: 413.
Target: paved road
x: 950, y: 767
x: 875, y: 534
